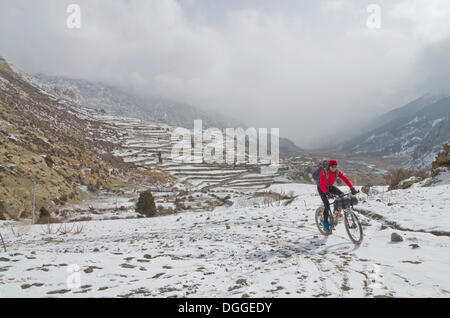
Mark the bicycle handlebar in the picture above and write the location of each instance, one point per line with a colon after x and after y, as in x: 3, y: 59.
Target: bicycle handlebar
x: 342, y: 195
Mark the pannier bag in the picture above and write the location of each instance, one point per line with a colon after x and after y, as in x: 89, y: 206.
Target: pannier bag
x: 345, y: 203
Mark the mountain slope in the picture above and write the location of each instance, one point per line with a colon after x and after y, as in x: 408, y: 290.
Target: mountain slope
x: 415, y: 131
x: 116, y: 101
x: 51, y: 141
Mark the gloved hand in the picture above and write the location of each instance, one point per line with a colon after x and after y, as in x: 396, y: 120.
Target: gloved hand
x: 330, y: 196
x: 354, y: 191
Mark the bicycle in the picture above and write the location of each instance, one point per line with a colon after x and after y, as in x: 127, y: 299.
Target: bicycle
x: 352, y: 224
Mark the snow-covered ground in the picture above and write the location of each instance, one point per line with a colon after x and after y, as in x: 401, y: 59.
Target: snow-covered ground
x: 255, y: 249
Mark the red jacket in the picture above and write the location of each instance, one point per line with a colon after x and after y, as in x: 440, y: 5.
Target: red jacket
x: 332, y: 179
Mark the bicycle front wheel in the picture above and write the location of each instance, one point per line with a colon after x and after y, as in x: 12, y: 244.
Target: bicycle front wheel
x: 353, y: 227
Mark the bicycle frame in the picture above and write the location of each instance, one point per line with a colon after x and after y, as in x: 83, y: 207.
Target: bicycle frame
x: 333, y: 220
x: 332, y: 214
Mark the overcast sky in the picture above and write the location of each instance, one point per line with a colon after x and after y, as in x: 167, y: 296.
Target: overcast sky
x: 314, y: 69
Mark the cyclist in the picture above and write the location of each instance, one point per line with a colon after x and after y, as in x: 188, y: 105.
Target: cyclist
x: 327, y: 190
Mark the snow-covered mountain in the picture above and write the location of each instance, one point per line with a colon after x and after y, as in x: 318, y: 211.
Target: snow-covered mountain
x: 117, y: 101
x: 415, y: 132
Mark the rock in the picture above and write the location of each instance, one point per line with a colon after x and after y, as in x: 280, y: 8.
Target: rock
x: 396, y: 237
x: 158, y: 276
x: 43, y: 212
x: 49, y: 161
x: 61, y: 291
x: 366, y: 189
x: 234, y: 287
x: 90, y: 269
x: 414, y: 246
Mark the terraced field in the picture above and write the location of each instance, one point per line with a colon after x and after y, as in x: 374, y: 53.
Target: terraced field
x: 191, y: 186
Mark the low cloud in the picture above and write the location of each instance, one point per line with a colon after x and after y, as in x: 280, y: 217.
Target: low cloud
x: 313, y: 69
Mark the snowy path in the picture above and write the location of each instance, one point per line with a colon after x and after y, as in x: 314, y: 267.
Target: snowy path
x: 235, y: 252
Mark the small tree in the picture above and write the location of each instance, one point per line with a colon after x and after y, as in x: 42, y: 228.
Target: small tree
x: 146, y: 204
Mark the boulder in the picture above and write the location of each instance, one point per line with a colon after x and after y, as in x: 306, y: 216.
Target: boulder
x: 396, y: 237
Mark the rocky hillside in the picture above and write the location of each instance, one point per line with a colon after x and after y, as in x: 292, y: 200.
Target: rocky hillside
x: 44, y: 138
x: 415, y: 132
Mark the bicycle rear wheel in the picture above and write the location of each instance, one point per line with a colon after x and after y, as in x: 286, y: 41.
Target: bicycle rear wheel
x: 319, y: 221
x: 353, y: 227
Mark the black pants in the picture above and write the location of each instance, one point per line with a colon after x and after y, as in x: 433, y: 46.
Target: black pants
x: 323, y: 196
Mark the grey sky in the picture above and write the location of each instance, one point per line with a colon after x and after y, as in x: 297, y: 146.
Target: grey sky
x: 312, y: 68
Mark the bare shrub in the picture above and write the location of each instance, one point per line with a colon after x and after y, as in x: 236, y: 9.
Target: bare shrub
x: 394, y: 177
x: 165, y: 211
x: 155, y: 176
x: 271, y: 198
x: 78, y: 229
x: 93, y: 187
x: 3, y: 242
x: 64, y: 229
x: 20, y: 229
x: 48, y: 229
